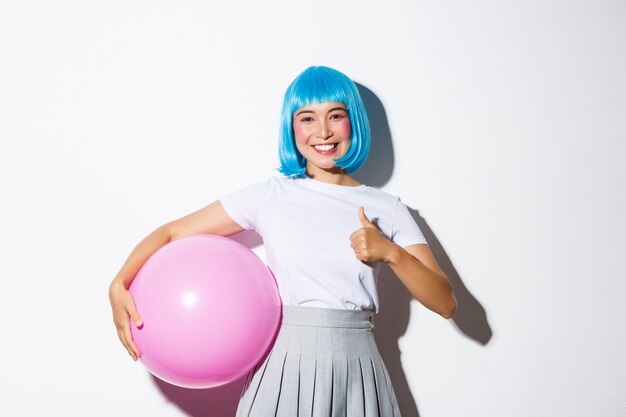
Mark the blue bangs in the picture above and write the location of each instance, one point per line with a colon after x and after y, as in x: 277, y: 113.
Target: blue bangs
x: 320, y: 85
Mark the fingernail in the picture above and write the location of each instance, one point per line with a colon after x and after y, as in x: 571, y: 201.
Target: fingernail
x: 138, y: 323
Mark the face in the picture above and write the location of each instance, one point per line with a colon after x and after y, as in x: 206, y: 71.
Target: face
x: 322, y: 132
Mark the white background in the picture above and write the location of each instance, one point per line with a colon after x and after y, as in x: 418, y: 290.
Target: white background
x: 501, y: 124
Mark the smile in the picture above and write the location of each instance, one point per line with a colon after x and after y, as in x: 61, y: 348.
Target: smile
x: 325, y: 148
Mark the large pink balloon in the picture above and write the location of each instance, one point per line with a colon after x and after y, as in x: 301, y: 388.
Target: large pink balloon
x: 210, y: 309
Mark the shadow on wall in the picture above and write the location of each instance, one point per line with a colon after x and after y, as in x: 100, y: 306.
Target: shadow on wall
x: 393, y: 320
x: 395, y: 310
x: 378, y: 167
x: 212, y: 402
x: 470, y: 317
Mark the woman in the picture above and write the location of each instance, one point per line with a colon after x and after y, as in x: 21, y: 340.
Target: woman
x: 325, y: 237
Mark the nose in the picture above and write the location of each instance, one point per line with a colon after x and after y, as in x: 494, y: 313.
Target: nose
x: 324, y: 131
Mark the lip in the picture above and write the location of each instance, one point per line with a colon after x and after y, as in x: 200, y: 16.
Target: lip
x: 328, y: 152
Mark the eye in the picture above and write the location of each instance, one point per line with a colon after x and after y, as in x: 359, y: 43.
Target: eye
x: 306, y: 119
x: 338, y: 116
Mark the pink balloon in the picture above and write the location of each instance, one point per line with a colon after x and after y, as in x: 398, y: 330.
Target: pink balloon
x: 210, y: 310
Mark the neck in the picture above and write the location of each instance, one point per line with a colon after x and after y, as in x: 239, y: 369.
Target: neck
x: 334, y: 175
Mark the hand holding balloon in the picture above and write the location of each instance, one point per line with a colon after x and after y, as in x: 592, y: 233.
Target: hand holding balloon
x: 124, y: 310
x: 211, y: 310
x: 368, y: 243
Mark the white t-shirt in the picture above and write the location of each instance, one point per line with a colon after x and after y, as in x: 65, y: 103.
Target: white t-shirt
x: 306, y: 226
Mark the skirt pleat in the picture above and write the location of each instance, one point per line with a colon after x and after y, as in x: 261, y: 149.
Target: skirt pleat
x: 252, y: 386
x: 307, y: 386
x: 289, y: 391
x: 340, y: 386
x: 322, y: 394
x: 355, y: 401
x: 382, y: 390
x: 324, y: 363
x: 372, y: 409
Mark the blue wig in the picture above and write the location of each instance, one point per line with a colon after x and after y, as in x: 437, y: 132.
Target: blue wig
x: 321, y: 85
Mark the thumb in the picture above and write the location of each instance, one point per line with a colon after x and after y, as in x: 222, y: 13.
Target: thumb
x: 364, y: 220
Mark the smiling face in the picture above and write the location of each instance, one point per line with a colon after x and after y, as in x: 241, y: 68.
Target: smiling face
x: 322, y: 133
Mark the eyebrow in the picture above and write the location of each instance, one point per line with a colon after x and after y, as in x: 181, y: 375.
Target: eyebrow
x: 311, y: 111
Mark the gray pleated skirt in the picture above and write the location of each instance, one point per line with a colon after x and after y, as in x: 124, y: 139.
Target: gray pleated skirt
x: 324, y: 363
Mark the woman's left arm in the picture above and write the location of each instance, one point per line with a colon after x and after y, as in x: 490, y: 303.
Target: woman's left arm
x: 414, y: 265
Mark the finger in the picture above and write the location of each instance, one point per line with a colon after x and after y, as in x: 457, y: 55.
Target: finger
x: 133, y: 314
x: 357, y: 236
x: 363, y: 218
x: 122, y: 336
x: 130, y: 345
x: 123, y: 330
x: 357, y: 246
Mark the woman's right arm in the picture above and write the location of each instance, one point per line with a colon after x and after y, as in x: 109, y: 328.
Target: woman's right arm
x: 211, y: 219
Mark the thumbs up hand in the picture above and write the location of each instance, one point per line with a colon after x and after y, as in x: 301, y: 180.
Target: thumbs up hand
x: 368, y: 243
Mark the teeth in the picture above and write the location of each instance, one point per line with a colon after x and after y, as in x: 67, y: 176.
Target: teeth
x: 324, y: 147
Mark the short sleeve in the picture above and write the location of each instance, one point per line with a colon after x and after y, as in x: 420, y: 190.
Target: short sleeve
x: 244, y: 205
x: 405, y: 231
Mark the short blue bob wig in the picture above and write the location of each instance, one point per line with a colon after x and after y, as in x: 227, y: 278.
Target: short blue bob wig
x: 319, y: 84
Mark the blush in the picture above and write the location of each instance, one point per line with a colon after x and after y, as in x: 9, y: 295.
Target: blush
x: 298, y: 132
x: 343, y: 128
